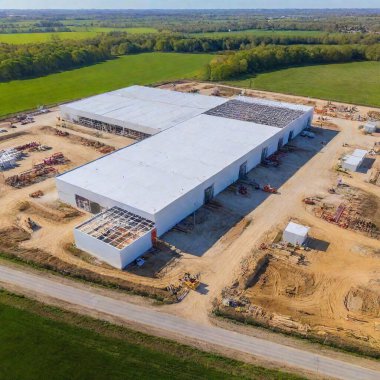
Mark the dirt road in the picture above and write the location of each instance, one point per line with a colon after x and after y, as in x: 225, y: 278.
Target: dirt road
x: 213, y: 335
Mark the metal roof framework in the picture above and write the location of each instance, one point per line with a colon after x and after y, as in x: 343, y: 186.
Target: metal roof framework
x: 259, y: 113
x: 116, y: 227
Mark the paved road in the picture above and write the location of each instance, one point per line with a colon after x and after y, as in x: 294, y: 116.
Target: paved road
x: 213, y: 335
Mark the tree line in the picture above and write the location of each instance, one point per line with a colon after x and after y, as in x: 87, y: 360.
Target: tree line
x: 33, y: 60
x: 266, y: 58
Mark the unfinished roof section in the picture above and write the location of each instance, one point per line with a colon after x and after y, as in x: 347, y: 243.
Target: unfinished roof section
x: 150, y: 175
x: 256, y: 112
x: 275, y: 103
x: 116, y: 227
x: 145, y: 109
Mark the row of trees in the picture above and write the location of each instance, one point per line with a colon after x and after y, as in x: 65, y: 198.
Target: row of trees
x: 32, y: 60
x: 42, y: 59
x: 266, y: 58
x: 123, y: 44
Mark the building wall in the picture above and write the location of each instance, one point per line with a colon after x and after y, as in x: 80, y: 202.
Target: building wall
x: 109, y: 254
x: 72, y: 115
x: 67, y: 192
x: 178, y: 210
x: 188, y: 203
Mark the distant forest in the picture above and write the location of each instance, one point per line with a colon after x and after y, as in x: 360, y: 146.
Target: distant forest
x: 354, y: 35
x: 196, y: 21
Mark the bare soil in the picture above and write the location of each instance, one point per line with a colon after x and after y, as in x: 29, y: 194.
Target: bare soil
x: 331, y: 290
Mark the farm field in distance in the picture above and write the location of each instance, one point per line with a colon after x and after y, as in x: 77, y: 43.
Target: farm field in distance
x: 77, y: 33
x: 357, y: 82
x: 263, y: 32
x: 146, y: 68
x: 37, y: 339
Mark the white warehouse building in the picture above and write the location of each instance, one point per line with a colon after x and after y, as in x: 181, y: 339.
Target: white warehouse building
x: 199, y: 146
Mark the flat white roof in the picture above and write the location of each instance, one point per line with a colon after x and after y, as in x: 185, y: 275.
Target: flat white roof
x: 353, y: 160
x: 361, y: 153
x: 154, y: 110
x: 297, y: 229
x: 153, y: 173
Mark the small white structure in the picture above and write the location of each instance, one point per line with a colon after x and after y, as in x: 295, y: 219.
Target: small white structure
x: 353, y: 161
x: 371, y: 127
x: 295, y: 233
x: 8, y: 158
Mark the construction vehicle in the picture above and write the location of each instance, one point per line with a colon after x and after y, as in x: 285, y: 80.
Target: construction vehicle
x: 37, y: 194
x: 62, y: 133
x: 243, y: 190
x: 269, y: 189
x: 33, y: 225
x: 190, y: 281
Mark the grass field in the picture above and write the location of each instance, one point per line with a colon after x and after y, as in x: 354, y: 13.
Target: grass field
x: 41, y: 342
x: 357, y: 83
x: 78, y: 33
x: 146, y: 68
x: 262, y: 32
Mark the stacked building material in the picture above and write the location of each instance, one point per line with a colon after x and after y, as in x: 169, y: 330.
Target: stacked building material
x: 31, y: 176
x: 8, y: 158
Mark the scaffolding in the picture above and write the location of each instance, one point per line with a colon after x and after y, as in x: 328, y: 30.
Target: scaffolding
x: 256, y: 113
x: 8, y: 158
x: 117, y: 227
x: 110, y: 128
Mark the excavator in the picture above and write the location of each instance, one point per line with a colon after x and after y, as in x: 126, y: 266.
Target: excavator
x: 269, y: 189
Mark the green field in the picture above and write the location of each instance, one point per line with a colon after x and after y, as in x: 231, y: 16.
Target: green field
x: 106, y: 30
x: 357, y: 83
x: 41, y: 342
x: 144, y: 68
x: 263, y: 32
x: 78, y: 33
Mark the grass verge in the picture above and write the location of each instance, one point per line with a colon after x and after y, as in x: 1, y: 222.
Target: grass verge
x: 40, y: 341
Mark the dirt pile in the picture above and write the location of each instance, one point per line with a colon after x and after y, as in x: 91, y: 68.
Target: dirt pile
x: 364, y: 301
x: 57, y: 212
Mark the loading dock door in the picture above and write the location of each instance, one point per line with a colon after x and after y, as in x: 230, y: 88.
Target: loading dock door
x: 209, y: 194
x: 243, y: 170
x: 87, y: 205
x: 280, y: 143
x: 264, y: 154
x: 82, y: 203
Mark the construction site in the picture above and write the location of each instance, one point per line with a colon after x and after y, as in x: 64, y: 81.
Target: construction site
x: 227, y: 252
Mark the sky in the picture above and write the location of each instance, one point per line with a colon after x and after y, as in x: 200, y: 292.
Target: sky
x: 184, y: 4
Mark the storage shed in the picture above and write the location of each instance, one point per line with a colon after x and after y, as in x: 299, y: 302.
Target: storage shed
x: 371, y: 127
x: 295, y: 233
x: 353, y: 161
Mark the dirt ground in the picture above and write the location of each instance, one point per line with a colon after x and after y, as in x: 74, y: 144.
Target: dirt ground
x: 338, y: 286
x: 332, y: 289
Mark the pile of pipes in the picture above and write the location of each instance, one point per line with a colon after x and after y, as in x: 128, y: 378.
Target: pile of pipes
x: 31, y: 176
x: 29, y: 146
x: 55, y: 159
